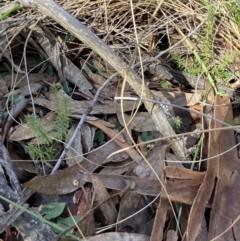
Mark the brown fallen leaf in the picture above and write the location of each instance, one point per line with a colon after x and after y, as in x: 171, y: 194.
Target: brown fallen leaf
x: 116, y: 168
x: 202, y: 197
x: 181, y: 99
x: 106, y: 128
x: 87, y: 222
x: 155, y: 158
x: 141, y: 122
x: 226, y: 203
x: 117, y: 138
x: 131, y: 203
x: 21, y: 81
x: 64, y: 179
x: 182, y: 191
x: 183, y: 173
x: 107, y: 207
x: 64, y: 67
x: 72, y: 178
x: 75, y: 153
x: 160, y: 219
x: 94, y: 78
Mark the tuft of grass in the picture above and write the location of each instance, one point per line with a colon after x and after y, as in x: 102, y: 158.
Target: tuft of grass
x: 202, y: 60
x: 177, y: 122
x: 46, y: 150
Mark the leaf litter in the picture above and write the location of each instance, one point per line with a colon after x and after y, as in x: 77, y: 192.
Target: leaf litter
x: 154, y: 189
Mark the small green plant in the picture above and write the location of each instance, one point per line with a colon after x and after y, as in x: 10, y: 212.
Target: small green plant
x: 177, y: 122
x: 52, y: 212
x: 46, y: 150
x: 99, y: 138
x: 53, y: 225
x: 39, y: 130
x: 165, y: 84
x: 203, y: 60
x: 118, y: 126
x: 43, y: 152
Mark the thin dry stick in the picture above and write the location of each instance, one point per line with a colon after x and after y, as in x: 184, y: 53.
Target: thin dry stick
x: 7, y: 164
x: 56, y: 12
x: 80, y: 123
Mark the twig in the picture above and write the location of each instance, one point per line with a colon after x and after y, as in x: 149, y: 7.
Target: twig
x: 80, y: 123
x: 6, y: 163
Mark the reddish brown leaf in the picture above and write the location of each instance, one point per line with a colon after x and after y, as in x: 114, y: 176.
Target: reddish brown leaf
x: 107, y: 206
x: 183, y: 173
x: 226, y: 204
x: 160, y: 219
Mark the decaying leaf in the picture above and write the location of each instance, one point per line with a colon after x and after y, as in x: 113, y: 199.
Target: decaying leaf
x: 129, y: 205
x: 75, y: 153
x: 66, y: 67
x: 107, y: 207
x: 142, y: 122
x: 222, y: 217
x: 226, y: 204
x: 21, y: 80
x: 24, y: 91
x: 117, y: 138
x: 181, y: 99
x: 183, y: 173
x: 155, y: 158
x: 160, y: 219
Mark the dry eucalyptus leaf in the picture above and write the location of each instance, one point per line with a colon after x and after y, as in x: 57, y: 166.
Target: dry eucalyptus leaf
x: 181, y: 99
x: 65, y: 68
x: 116, y: 168
x: 95, y: 78
x: 117, y: 138
x: 104, y: 126
x: 70, y: 179
x: 80, y: 107
x: 24, y: 91
x: 141, y: 122
x: 88, y: 132
x: 129, y: 205
x: 107, y: 207
x: 75, y: 153
x: 34, y: 78
x: 105, y: 69
x: 155, y: 158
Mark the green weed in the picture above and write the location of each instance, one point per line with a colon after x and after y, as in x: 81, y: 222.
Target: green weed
x: 46, y: 150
